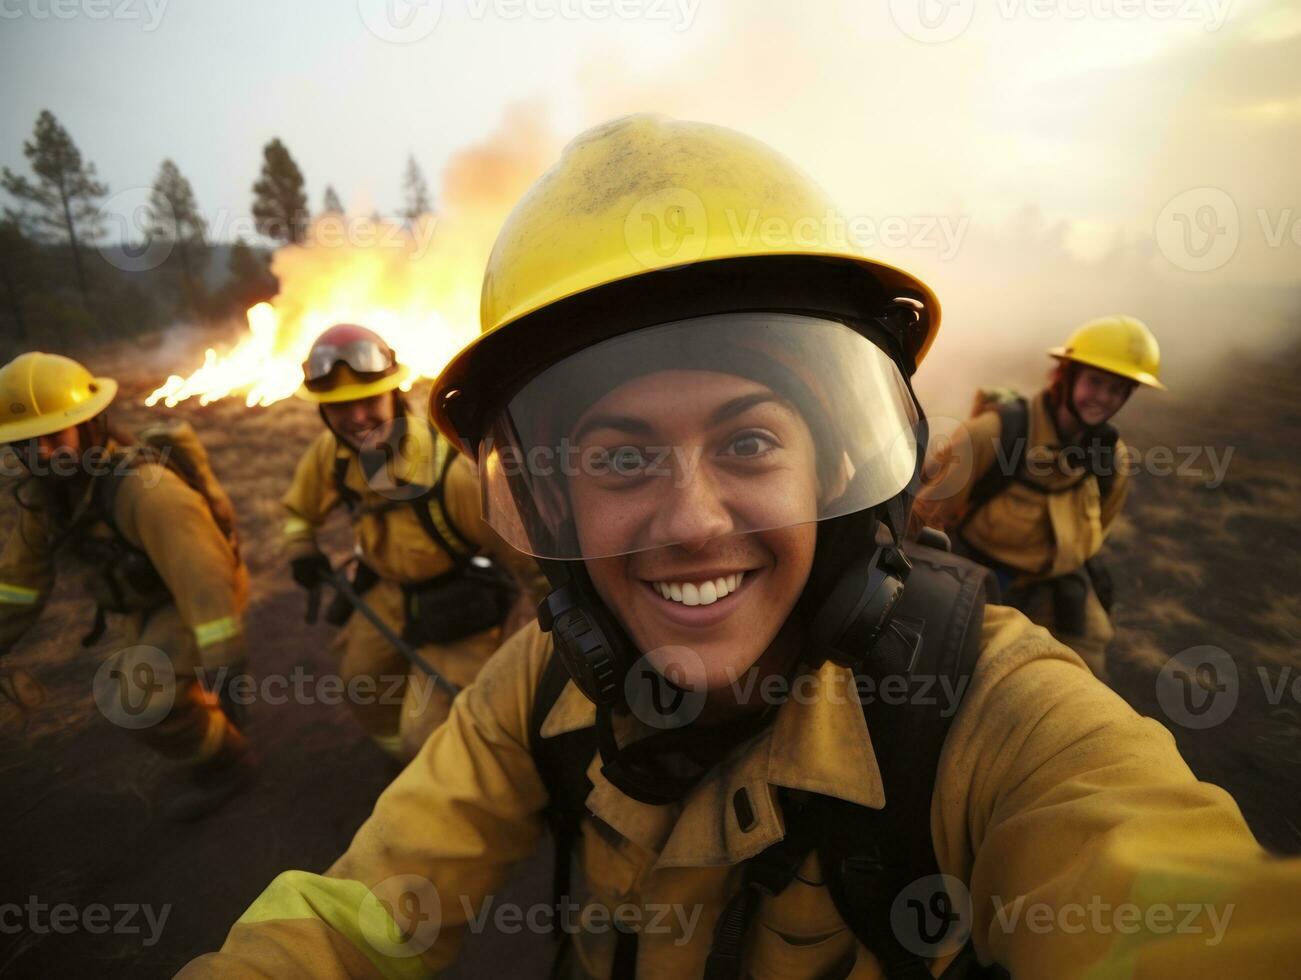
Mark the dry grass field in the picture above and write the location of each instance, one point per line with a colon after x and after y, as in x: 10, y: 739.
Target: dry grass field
x: 1195, y: 566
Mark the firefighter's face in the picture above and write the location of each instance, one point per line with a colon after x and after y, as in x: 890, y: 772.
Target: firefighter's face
x: 692, y: 463
x: 353, y: 421
x: 1099, y: 395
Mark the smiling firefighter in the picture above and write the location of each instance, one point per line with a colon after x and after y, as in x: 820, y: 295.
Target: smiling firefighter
x: 145, y: 526
x: 1030, y: 488
x: 707, y: 443
x: 422, y: 609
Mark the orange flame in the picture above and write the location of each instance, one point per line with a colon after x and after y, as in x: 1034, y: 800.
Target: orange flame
x: 417, y: 286
x: 418, y: 298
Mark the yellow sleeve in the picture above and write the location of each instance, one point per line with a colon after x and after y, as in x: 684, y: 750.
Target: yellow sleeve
x: 162, y: 515
x: 442, y: 837
x: 26, y: 577
x: 1090, y: 847
x: 311, y: 497
x: 1115, y: 499
x: 952, y: 468
x: 461, y: 498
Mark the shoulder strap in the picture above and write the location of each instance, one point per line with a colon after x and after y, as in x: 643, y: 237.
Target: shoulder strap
x: 1104, y: 461
x: 562, y: 762
x: 870, y: 856
x: 1014, y: 429
x: 350, y: 497
x: 431, y: 511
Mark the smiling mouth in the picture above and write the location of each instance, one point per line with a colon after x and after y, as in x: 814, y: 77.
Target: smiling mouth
x: 699, y: 592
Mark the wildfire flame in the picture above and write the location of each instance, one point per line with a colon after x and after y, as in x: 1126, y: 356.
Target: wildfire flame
x: 421, y: 302
x: 417, y: 286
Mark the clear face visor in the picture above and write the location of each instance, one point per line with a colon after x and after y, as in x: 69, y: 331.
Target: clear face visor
x: 365, y: 357
x: 702, y: 428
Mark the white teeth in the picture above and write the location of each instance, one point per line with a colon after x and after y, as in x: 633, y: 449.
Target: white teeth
x: 699, y: 593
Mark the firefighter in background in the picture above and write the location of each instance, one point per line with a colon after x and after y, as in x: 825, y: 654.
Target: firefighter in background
x: 1031, y: 487
x: 151, y: 534
x: 414, y: 506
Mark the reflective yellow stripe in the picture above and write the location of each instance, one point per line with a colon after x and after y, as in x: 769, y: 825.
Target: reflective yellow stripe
x: 217, y: 630
x: 19, y: 595
x: 347, y: 907
x: 296, y: 525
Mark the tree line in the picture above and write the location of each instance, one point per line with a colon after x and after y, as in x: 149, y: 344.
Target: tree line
x: 63, y: 282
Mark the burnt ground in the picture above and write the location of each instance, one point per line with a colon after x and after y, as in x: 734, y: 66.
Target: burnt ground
x: 1196, y: 566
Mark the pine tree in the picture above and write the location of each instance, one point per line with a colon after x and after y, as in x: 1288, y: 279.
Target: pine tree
x: 174, y: 217
x: 331, y: 204
x: 249, y: 280
x: 18, y: 274
x: 62, y: 205
x: 416, y: 191
x: 279, y: 203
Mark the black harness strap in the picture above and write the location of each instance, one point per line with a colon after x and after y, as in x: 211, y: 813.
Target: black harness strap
x: 440, y: 526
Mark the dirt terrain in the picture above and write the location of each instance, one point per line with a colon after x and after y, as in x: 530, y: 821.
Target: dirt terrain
x: 1195, y: 566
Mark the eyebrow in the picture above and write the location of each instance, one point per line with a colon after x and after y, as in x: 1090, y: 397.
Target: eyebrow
x: 620, y: 423
x: 743, y: 404
x: 632, y: 425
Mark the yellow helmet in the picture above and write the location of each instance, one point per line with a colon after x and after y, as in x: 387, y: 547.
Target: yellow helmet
x: 643, y: 195
x: 45, y: 393
x: 348, y: 362
x: 1122, y: 345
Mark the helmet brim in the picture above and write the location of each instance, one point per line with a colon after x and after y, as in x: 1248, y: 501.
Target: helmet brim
x: 1127, y: 371
x: 355, y: 392
x: 103, y: 391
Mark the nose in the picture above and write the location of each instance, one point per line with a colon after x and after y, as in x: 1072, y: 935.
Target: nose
x: 358, y: 413
x: 691, y: 513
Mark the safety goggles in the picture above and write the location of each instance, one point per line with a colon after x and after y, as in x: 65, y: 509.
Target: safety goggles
x: 365, y: 357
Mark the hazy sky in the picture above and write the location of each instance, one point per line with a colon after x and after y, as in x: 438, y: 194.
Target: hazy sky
x: 1089, y: 128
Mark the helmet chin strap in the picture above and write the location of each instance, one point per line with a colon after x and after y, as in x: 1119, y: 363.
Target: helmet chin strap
x: 857, y: 579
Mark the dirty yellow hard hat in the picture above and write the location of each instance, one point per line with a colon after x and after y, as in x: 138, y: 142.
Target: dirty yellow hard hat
x: 45, y: 393
x: 1121, y: 345
x: 645, y: 195
x: 348, y: 362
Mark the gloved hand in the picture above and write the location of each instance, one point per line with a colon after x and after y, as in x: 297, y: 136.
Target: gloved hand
x: 310, y: 571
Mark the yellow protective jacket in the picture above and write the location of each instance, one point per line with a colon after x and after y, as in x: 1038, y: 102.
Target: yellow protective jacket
x: 154, y: 511
x: 1042, y: 535
x: 390, y: 537
x: 1055, y: 804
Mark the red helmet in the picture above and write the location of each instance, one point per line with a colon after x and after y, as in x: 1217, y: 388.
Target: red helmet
x: 348, y: 362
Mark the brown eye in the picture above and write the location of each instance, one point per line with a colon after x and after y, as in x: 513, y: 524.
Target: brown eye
x: 750, y: 444
x: 625, y: 460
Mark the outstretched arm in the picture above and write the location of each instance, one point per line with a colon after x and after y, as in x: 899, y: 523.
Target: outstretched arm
x: 1090, y: 848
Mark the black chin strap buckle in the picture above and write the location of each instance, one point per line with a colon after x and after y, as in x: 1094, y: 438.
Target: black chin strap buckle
x: 581, y: 641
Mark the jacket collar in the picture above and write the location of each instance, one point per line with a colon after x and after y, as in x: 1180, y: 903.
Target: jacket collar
x: 818, y: 743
